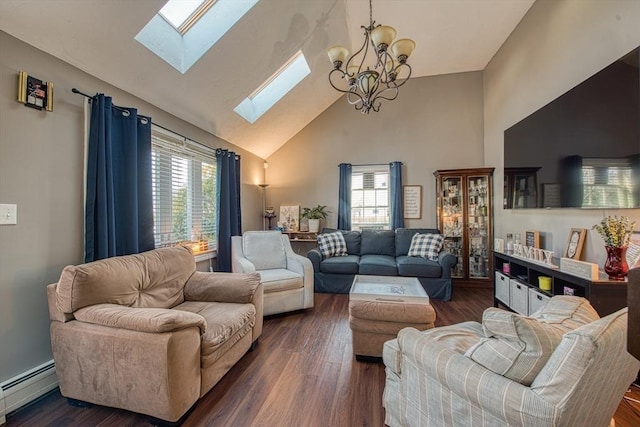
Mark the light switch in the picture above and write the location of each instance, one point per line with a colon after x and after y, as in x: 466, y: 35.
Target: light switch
x: 8, y: 214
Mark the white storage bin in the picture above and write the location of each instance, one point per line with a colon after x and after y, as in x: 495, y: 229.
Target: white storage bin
x: 502, y: 287
x: 519, y: 297
x: 537, y: 300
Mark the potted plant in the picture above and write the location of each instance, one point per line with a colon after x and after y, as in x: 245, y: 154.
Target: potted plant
x: 314, y: 215
x: 616, y: 233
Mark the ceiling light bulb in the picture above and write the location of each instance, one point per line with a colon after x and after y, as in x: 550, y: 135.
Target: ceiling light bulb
x: 402, y: 49
x: 382, y: 36
x: 337, y: 55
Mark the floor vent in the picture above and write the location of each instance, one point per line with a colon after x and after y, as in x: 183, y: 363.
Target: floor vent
x: 26, y: 387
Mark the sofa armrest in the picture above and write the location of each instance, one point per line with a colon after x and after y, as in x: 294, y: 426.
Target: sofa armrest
x: 222, y: 287
x: 316, y: 257
x: 447, y: 261
x: 155, y: 320
x: 433, y: 365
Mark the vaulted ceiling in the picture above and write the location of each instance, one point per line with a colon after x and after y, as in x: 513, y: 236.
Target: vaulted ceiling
x: 98, y: 37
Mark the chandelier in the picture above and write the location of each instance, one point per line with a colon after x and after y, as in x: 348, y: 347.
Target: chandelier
x: 369, y: 80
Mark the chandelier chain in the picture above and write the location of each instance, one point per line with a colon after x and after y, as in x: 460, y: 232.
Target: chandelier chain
x: 370, y: 14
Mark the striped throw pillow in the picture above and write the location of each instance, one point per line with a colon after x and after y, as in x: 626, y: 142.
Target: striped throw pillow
x: 332, y: 244
x: 426, y: 246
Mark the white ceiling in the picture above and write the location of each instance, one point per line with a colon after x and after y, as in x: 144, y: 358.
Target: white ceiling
x: 97, y: 36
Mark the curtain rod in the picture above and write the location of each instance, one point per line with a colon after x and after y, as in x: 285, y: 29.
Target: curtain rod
x: 74, y: 90
x: 371, y: 164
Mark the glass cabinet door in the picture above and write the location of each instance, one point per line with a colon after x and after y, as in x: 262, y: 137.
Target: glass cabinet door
x: 453, y: 220
x: 478, y: 203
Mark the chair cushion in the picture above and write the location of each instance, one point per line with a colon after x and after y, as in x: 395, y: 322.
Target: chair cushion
x: 378, y: 242
x: 412, y: 266
x: 227, y: 323
x: 352, y: 239
x: 264, y: 249
x: 340, y: 265
x: 332, y: 244
x: 153, y: 279
x: 459, y: 338
x: 426, y: 246
x: 280, y: 279
x: 378, y: 265
x: 514, y: 346
x: 404, y: 236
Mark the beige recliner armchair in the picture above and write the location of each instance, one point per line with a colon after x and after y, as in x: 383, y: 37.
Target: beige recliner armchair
x: 147, y: 332
x: 562, y: 367
x: 287, y: 277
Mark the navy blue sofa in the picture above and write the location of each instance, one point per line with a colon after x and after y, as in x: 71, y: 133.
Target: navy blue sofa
x: 382, y: 253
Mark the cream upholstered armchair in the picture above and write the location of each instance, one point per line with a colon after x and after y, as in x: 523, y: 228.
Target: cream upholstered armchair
x: 286, y: 276
x: 147, y: 332
x: 561, y: 367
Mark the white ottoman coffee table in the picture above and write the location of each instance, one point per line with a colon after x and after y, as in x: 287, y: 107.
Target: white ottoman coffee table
x: 379, y: 306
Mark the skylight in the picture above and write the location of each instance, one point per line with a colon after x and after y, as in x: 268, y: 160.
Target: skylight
x: 178, y: 12
x: 274, y: 88
x: 184, y: 30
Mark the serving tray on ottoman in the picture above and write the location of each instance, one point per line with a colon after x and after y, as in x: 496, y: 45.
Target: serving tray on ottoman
x: 380, y: 306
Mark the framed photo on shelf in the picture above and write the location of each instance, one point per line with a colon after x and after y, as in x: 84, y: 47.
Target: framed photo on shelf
x: 290, y: 217
x: 412, y: 201
x: 532, y: 239
x: 633, y: 250
x: 575, y: 243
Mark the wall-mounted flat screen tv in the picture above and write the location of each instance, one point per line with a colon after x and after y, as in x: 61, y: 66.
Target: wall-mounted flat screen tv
x: 581, y: 150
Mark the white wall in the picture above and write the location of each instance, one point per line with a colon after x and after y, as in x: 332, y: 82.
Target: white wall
x: 41, y: 170
x: 435, y: 123
x: 556, y: 46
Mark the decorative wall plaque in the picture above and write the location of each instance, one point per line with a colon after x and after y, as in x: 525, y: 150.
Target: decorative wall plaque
x: 586, y: 270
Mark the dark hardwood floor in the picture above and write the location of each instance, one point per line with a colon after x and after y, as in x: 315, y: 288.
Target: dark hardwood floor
x: 302, y: 373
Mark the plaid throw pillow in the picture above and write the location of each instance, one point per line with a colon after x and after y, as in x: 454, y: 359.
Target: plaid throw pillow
x: 426, y: 246
x: 332, y: 244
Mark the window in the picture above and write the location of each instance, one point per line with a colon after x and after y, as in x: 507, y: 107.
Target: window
x: 184, y: 30
x: 370, y: 197
x: 184, y: 192
x: 274, y: 88
x: 182, y: 14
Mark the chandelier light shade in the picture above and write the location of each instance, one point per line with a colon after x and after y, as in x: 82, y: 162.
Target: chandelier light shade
x: 368, y: 79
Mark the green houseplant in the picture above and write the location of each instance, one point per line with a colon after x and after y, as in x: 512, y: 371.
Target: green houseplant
x: 314, y: 215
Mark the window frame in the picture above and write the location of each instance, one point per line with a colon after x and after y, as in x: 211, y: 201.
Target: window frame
x: 375, y: 169
x: 169, y: 149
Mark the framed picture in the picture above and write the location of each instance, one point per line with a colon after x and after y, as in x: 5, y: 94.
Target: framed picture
x: 412, y: 201
x: 35, y: 93
x: 532, y: 239
x: 633, y: 250
x: 290, y: 218
x: 575, y: 243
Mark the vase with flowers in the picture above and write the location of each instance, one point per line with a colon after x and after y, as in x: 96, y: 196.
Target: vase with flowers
x: 616, y: 232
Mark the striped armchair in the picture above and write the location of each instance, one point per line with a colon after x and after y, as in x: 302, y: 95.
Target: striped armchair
x: 433, y: 380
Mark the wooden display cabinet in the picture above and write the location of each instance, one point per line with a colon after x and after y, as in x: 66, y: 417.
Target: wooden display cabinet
x: 464, y: 213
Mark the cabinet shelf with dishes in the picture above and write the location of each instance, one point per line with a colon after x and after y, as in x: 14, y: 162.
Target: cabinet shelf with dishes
x: 464, y: 202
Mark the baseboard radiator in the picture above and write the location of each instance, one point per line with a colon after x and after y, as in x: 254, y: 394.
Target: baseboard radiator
x: 26, y: 387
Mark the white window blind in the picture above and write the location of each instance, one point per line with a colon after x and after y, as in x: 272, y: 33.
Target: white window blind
x: 370, y: 197
x: 184, y: 192
x: 607, y: 182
